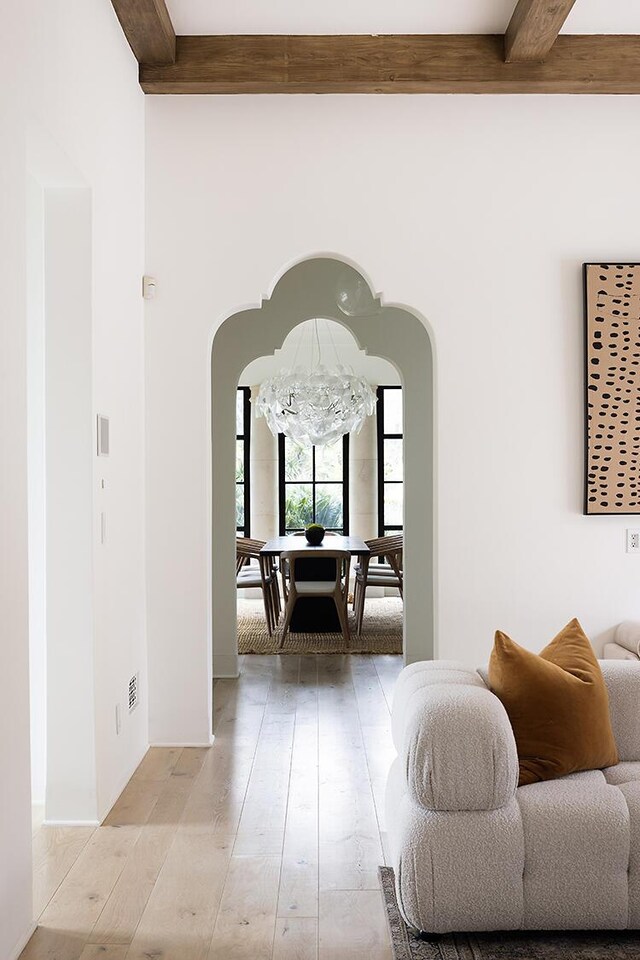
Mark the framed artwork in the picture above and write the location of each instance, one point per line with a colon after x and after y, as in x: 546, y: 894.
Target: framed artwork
x: 612, y: 388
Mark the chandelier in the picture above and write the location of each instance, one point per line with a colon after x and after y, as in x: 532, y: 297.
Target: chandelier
x: 315, y: 404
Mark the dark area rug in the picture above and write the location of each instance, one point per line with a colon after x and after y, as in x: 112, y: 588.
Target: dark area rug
x: 519, y: 945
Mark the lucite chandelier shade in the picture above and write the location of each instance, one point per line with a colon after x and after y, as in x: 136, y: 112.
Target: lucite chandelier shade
x: 316, y: 405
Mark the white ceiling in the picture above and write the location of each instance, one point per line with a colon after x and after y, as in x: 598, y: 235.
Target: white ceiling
x: 384, y: 16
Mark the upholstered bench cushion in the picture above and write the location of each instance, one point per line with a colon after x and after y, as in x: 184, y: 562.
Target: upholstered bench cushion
x: 576, y: 843
x: 627, y: 636
x: 625, y: 772
x: 631, y: 793
x: 456, y: 743
x: 415, y: 678
x: 455, y: 871
x: 613, y: 651
x: 623, y: 682
x: 561, y: 854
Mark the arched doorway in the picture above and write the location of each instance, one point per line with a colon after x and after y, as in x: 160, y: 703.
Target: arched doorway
x: 327, y: 287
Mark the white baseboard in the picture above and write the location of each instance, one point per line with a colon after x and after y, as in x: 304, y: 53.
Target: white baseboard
x: 208, y: 744
x: 22, y: 942
x: 124, y: 780
x: 71, y: 823
x: 225, y: 666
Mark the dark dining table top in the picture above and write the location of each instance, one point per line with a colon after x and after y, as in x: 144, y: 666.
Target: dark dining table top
x: 355, y: 545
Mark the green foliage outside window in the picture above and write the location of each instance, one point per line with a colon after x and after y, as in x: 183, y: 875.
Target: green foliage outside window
x: 301, y: 467
x: 299, y: 509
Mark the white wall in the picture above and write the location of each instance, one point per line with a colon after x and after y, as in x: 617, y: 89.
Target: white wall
x: 69, y: 454
x: 68, y: 70
x: 477, y: 212
x: 37, y: 494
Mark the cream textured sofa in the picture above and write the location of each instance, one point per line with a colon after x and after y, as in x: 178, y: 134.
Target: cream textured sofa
x: 471, y: 851
x: 626, y: 642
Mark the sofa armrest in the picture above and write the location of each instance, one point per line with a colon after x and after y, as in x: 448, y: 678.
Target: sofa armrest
x: 623, y: 685
x: 613, y: 651
x: 627, y: 636
x: 456, y: 744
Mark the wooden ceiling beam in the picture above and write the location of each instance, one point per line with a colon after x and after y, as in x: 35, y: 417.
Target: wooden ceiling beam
x: 148, y: 28
x: 392, y: 64
x: 534, y: 28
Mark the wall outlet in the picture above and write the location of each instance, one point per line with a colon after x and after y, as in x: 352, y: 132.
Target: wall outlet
x: 633, y: 541
x: 118, y: 719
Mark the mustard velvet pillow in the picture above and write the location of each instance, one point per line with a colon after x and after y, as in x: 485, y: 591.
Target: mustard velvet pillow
x: 557, y: 703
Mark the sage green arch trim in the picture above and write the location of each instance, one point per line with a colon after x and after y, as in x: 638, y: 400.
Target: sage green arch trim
x: 311, y: 289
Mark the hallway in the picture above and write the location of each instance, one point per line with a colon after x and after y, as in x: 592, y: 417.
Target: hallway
x: 265, y: 846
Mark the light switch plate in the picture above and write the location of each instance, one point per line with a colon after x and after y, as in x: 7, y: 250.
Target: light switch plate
x: 103, y: 436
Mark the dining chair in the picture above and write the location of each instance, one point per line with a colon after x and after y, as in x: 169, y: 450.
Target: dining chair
x: 370, y: 573
x: 336, y: 588
x: 264, y: 577
x: 284, y: 566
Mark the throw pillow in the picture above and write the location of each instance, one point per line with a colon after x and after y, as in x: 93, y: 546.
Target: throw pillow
x: 557, y: 703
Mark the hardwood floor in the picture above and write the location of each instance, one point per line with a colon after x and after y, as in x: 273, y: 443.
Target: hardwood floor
x: 265, y: 847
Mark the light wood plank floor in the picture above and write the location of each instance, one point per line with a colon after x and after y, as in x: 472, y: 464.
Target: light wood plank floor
x: 265, y: 847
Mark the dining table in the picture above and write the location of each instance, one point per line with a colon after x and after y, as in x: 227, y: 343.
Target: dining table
x: 315, y: 614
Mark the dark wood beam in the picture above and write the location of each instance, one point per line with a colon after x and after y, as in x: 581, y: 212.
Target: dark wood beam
x: 392, y: 64
x: 148, y: 28
x: 534, y: 28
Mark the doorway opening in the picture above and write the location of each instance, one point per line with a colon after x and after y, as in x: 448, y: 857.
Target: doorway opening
x: 328, y: 288
x: 283, y: 485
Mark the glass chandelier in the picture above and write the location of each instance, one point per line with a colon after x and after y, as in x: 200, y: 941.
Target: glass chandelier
x: 315, y: 404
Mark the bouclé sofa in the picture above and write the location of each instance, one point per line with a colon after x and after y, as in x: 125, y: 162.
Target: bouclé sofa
x: 626, y: 642
x: 471, y: 851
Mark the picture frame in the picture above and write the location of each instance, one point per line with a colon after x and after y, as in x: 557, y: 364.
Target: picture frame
x: 612, y: 388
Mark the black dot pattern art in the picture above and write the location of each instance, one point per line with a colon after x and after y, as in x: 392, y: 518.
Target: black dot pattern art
x: 613, y: 387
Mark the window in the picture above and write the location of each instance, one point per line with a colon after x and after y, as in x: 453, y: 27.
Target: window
x: 390, y: 460
x: 243, y: 444
x: 313, y: 485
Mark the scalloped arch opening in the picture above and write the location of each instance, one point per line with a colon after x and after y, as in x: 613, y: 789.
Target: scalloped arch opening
x: 335, y: 289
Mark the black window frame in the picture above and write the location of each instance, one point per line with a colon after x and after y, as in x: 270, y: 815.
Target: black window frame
x: 381, y: 437
x: 282, y: 486
x: 245, y: 437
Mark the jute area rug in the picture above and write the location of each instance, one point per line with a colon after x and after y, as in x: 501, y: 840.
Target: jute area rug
x: 520, y: 945
x: 382, y: 631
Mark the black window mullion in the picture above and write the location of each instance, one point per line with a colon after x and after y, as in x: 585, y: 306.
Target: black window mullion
x: 313, y: 484
x: 247, y: 460
x: 245, y: 438
x: 345, y: 484
x: 282, y: 487
x: 381, y: 437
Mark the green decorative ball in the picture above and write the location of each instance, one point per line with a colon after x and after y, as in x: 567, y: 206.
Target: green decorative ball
x: 314, y: 534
